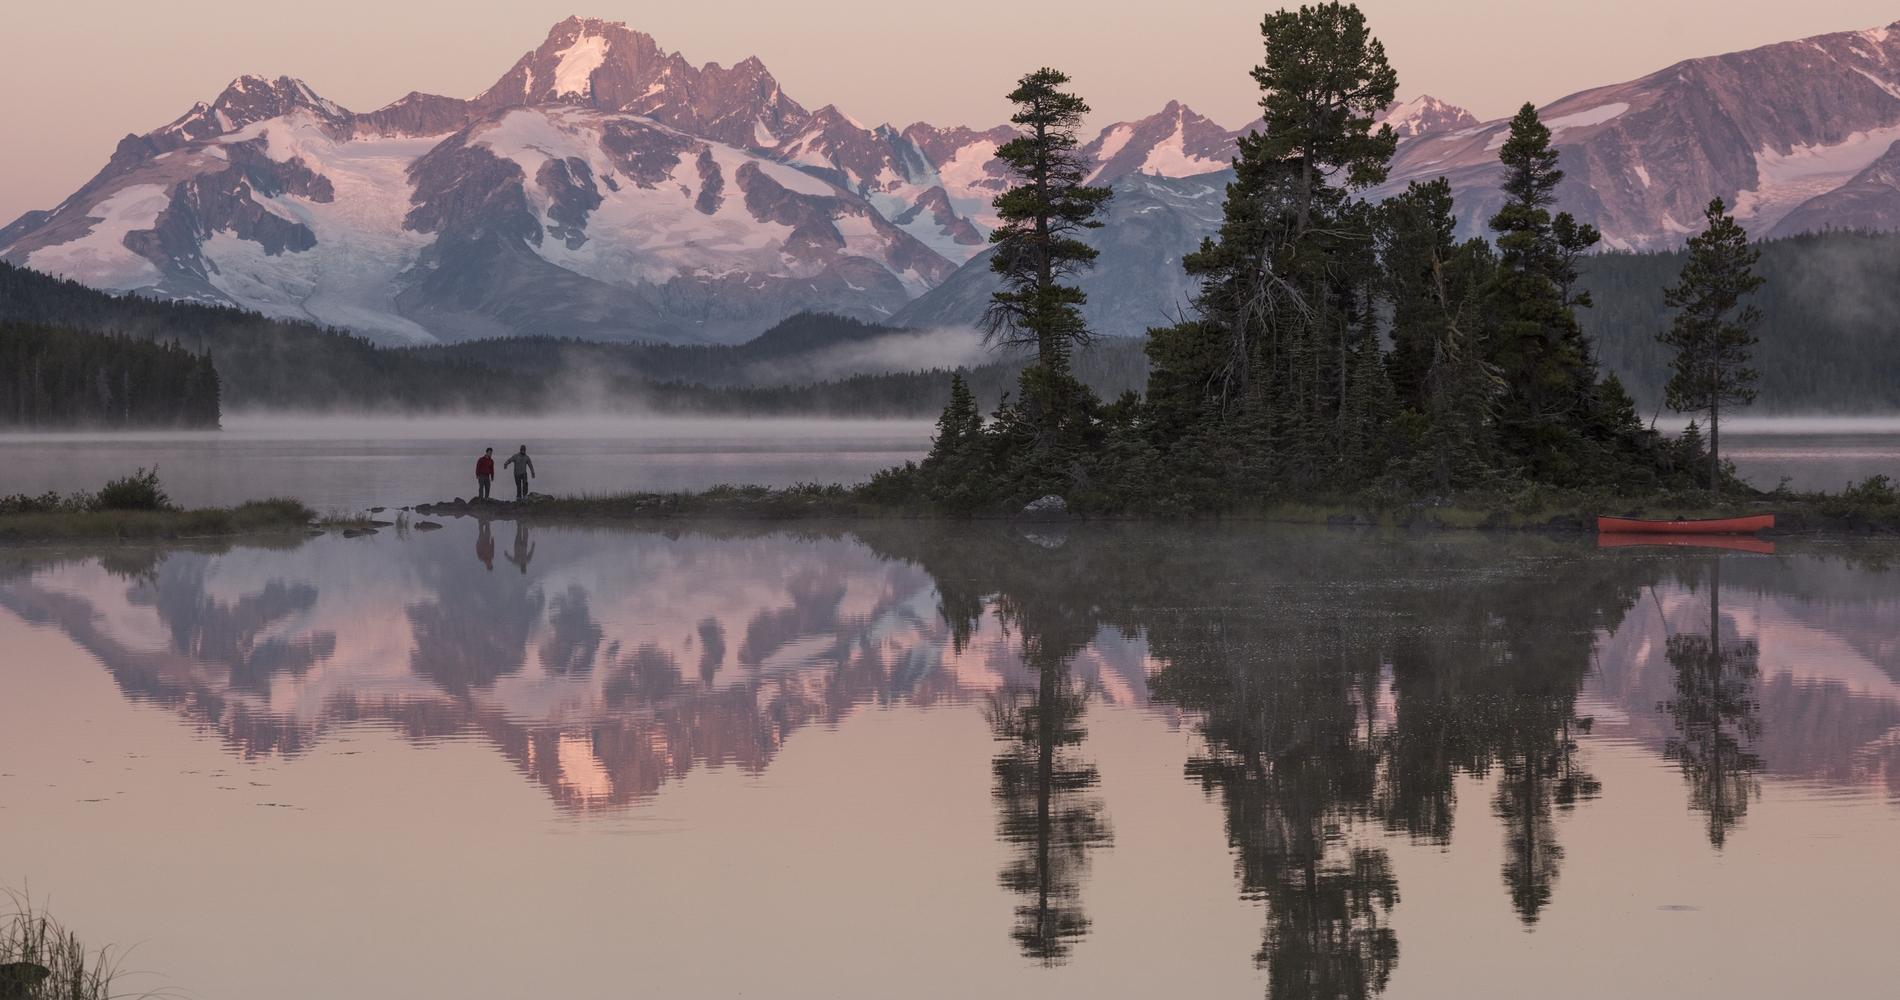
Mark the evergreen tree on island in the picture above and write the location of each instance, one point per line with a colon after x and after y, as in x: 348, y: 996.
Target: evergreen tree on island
x: 1550, y: 398
x: 1278, y: 379
x: 1037, y: 249
x: 1711, y: 337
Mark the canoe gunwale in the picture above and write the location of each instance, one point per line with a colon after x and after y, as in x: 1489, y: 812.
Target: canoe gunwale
x: 1702, y: 526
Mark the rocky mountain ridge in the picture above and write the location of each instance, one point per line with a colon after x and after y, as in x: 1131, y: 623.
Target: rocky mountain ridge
x: 604, y: 187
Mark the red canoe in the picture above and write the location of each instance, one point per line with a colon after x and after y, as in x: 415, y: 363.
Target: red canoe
x: 1706, y: 526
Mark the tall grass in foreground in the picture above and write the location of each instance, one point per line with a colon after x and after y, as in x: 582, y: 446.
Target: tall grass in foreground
x: 31, y: 940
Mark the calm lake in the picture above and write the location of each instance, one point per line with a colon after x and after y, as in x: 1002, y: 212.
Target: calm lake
x: 351, y: 463
x: 954, y: 760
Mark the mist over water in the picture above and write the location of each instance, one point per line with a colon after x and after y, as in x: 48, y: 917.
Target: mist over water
x: 349, y: 463
x: 1815, y: 453
x: 352, y: 462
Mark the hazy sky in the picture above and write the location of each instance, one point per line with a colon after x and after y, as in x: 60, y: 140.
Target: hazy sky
x: 80, y: 74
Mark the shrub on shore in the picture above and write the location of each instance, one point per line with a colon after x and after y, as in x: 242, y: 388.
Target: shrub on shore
x: 136, y: 506
x: 43, y: 960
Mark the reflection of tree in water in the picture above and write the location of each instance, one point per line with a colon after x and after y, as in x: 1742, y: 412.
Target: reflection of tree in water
x: 1044, y: 809
x: 1714, y: 713
x: 1047, y: 598
x: 1538, y: 774
x: 1287, y: 646
x: 1292, y: 753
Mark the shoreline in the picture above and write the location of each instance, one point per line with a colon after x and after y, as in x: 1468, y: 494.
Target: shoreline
x: 1802, y: 515
x: 1807, y: 516
x: 276, y: 518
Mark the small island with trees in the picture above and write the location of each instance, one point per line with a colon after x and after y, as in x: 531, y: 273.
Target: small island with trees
x: 1338, y: 352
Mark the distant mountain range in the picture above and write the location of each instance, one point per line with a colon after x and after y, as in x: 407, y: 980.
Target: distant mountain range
x: 606, y: 188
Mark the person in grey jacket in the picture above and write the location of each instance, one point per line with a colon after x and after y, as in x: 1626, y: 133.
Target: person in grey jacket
x: 524, y: 467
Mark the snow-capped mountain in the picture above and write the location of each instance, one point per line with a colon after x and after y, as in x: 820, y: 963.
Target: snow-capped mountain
x: 604, y: 187
x: 1175, y: 143
x: 601, y: 187
x: 1785, y: 133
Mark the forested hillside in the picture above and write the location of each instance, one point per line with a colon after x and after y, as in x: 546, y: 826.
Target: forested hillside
x: 52, y: 376
x: 264, y: 363
x: 1830, y: 333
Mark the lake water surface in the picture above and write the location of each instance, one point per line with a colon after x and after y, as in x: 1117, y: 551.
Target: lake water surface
x: 352, y: 463
x: 955, y: 760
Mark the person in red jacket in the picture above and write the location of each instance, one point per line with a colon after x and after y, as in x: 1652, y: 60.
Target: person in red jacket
x: 484, y: 472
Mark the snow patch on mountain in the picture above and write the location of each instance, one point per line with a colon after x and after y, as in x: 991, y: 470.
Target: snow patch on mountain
x: 100, y: 258
x: 573, y: 74
x: 1788, y: 179
x: 1170, y: 158
x: 348, y: 278
x: 970, y: 183
x: 1113, y: 141
x: 1594, y: 116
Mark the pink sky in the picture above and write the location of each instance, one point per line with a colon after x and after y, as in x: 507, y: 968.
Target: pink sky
x: 80, y: 74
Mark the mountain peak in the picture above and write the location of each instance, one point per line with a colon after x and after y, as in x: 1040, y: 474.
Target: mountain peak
x: 609, y: 66
x: 1422, y: 115
x: 1175, y: 141
x: 245, y: 101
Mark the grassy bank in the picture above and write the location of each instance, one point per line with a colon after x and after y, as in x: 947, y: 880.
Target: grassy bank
x: 275, y: 516
x: 1863, y: 510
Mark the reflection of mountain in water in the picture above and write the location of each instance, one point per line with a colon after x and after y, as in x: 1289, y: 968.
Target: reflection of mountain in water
x: 1341, y: 686
x: 601, y: 672
x: 1807, y: 685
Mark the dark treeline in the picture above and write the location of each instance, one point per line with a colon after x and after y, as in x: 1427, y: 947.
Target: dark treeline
x: 710, y: 364
x: 1830, y: 313
x: 61, y: 377
x: 1329, y: 724
x: 263, y: 363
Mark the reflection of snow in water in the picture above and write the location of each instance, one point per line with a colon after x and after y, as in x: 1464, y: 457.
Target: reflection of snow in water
x: 600, y: 693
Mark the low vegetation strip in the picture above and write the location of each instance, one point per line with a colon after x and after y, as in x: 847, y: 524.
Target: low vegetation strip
x: 1871, y: 507
x: 136, y: 506
x: 278, y: 515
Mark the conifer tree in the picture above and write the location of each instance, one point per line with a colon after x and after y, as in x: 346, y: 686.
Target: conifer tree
x: 1711, y: 337
x: 1038, y: 249
x: 1286, y: 318
x: 956, y: 472
x: 1434, y: 285
x: 1538, y: 344
x: 1323, y: 80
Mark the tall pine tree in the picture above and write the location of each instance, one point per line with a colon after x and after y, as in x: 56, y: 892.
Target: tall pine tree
x: 1549, y: 406
x: 1038, y: 249
x: 1711, y: 337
